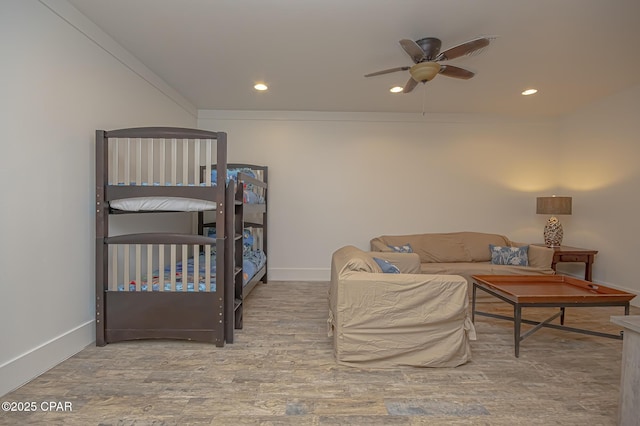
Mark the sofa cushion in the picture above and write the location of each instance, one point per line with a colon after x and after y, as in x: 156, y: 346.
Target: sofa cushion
x: 480, y: 268
x: 505, y: 255
x: 476, y: 244
x: 446, y: 247
x: 430, y: 247
x: 386, y: 266
x: 466, y: 270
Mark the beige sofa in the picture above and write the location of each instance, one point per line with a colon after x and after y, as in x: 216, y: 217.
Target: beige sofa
x: 383, y: 320
x: 465, y: 254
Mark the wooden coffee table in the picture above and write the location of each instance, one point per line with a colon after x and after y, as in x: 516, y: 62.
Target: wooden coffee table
x: 556, y: 291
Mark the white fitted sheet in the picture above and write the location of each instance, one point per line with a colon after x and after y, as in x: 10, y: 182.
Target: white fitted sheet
x: 162, y: 204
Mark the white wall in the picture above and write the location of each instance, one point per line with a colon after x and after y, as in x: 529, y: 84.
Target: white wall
x: 58, y: 87
x: 600, y: 170
x: 338, y: 179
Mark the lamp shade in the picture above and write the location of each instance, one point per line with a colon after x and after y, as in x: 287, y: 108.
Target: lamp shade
x: 553, y: 205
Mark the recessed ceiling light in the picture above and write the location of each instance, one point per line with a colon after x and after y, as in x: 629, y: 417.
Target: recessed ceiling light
x: 261, y: 87
x: 396, y: 89
x: 530, y: 92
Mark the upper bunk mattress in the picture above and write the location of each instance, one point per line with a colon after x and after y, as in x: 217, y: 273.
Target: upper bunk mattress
x: 165, y: 204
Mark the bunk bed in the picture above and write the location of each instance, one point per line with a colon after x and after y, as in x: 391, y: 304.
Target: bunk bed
x: 251, y: 251
x: 159, y: 284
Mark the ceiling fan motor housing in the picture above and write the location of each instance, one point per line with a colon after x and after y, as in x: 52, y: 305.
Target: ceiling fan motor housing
x: 431, y: 47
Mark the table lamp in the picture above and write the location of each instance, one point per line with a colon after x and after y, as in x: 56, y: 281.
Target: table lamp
x: 553, y: 229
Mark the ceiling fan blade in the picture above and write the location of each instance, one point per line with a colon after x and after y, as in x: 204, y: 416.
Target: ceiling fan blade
x: 456, y: 72
x: 390, y: 70
x: 412, y: 48
x: 467, y: 48
x: 411, y: 84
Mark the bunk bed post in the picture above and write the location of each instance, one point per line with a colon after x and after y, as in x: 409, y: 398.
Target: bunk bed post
x: 230, y: 264
x: 221, y: 255
x: 265, y: 247
x: 238, y: 244
x: 102, y: 230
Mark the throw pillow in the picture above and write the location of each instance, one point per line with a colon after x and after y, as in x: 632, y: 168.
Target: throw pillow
x: 402, y: 249
x: 504, y: 255
x: 386, y: 266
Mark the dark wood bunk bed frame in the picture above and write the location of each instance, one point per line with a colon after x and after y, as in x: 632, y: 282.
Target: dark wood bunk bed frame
x: 257, y: 213
x: 206, y: 316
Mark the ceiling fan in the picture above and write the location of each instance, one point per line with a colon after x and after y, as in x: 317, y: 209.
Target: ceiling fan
x: 426, y: 54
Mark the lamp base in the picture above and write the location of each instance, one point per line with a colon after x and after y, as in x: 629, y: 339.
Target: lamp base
x: 553, y: 232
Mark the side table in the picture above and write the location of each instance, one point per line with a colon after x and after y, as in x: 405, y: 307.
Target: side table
x: 574, y: 254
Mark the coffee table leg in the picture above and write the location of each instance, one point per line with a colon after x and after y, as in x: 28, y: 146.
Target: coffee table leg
x: 517, y: 318
x: 473, y: 303
x: 562, y: 315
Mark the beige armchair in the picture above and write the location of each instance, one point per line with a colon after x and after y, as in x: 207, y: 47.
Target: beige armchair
x: 381, y: 319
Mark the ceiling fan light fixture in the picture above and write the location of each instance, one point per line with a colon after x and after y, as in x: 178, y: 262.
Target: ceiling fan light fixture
x: 424, y: 71
x: 529, y: 92
x: 261, y: 87
x: 396, y: 89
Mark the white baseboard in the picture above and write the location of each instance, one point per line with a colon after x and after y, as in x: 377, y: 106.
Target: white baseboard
x: 31, y: 364
x: 299, y: 274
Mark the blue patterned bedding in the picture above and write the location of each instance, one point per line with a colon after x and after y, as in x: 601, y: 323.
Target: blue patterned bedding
x: 181, y: 277
x: 250, y: 196
x: 252, y: 261
x: 251, y: 264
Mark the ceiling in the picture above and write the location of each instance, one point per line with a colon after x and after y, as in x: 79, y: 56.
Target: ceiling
x: 313, y: 54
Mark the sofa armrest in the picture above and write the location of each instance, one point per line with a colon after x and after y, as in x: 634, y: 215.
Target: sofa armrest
x: 539, y: 256
x: 378, y: 245
x: 407, y: 263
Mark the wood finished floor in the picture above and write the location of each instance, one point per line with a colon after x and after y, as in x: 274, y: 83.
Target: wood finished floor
x: 281, y: 371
